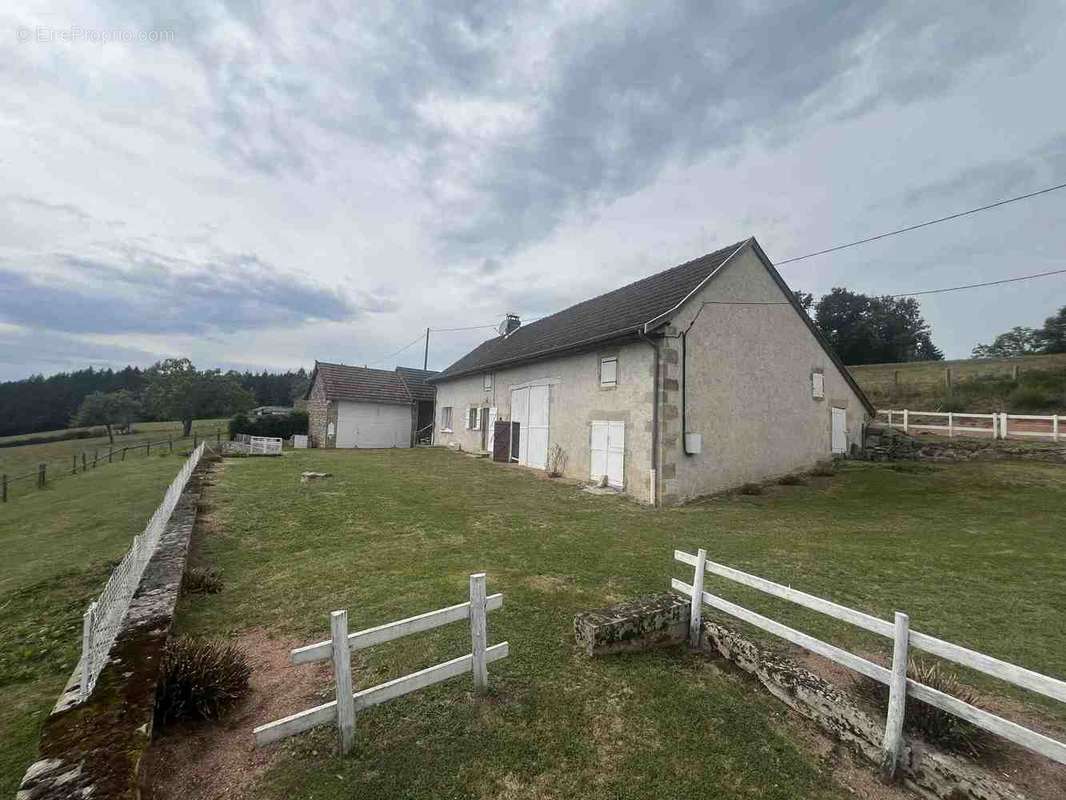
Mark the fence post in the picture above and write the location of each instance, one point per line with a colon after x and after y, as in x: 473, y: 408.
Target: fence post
x: 951, y: 425
x: 148, y: 448
x: 1055, y: 428
x: 170, y: 441
x: 342, y: 675
x: 478, y: 631
x: 83, y: 461
x: 110, y: 454
x: 695, y: 617
x: 906, y: 420
x: 123, y: 454
x: 1003, y: 425
x: 74, y: 469
x: 897, y: 699
x: 890, y: 417
x: 3, y: 488
x: 88, y: 623
x: 41, y: 476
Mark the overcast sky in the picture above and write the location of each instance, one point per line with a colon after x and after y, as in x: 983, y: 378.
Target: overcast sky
x: 258, y: 185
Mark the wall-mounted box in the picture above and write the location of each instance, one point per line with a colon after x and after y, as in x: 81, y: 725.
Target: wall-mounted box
x: 693, y: 443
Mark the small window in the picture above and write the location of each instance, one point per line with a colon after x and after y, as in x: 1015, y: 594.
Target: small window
x: 609, y: 371
x: 817, y: 385
x: 473, y: 419
x: 486, y: 381
x: 446, y: 418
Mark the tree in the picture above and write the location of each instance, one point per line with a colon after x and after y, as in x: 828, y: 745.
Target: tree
x: 177, y: 390
x: 805, y: 299
x: 875, y: 330
x: 1053, y: 335
x: 110, y: 410
x: 1017, y: 341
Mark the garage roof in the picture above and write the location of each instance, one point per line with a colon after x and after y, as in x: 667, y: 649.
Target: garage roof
x: 415, y: 381
x: 361, y: 384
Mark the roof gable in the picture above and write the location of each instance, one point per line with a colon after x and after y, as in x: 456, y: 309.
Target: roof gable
x: 618, y: 313
x: 361, y: 384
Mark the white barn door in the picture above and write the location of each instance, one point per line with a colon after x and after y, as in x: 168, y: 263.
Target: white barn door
x: 607, y: 452
x: 529, y: 408
x: 840, y: 431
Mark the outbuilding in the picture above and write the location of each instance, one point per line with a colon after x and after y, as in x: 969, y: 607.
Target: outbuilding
x: 696, y: 380
x: 350, y: 406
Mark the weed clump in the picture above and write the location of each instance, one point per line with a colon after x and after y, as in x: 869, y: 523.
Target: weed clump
x: 935, y: 726
x: 825, y: 470
x: 202, y: 580
x: 750, y: 488
x: 200, y: 679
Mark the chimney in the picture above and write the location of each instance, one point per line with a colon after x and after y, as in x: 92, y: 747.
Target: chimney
x: 511, y: 324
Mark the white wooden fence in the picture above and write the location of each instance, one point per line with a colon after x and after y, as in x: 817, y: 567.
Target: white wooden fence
x: 338, y: 649
x: 103, y: 617
x: 895, y: 678
x: 255, y: 445
x: 996, y: 425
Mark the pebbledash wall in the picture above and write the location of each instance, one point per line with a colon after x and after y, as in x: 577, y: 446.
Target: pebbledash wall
x: 575, y: 400
x: 749, y: 394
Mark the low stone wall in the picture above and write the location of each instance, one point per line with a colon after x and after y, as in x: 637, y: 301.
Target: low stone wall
x: 663, y: 620
x: 889, y: 444
x: 94, y: 749
x: 653, y: 621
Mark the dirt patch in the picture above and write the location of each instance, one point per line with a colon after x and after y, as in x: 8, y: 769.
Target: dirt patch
x: 1031, y: 773
x: 206, y: 761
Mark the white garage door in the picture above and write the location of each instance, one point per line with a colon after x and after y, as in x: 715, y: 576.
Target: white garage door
x: 373, y: 425
x: 529, y: 408
x: 607, y: 456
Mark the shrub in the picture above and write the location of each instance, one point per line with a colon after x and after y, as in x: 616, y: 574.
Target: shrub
x: 202, y: 580
x: 791, y: 480
x: 1030, y: 398
x: 937, y: 727
x: 750, y: 488
x: 280, y: 426
x: 556, y: 461
x: 200, y: 679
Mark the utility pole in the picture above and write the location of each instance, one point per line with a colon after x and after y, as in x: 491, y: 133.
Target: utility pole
x: 425, y: 358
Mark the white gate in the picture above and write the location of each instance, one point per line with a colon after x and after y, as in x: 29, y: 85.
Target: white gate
x: 607, y: 452
x: 840, y: 430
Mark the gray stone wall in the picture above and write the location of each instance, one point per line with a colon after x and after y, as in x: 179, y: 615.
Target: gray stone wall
x: 889, y: 444
x: 318, y: 415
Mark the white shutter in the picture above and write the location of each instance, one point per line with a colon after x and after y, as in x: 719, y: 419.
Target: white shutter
x: 817, y: 385
x: 598, y: 450
x: 616, y: 448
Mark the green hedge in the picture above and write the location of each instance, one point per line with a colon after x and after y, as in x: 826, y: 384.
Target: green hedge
x: 282, y: 426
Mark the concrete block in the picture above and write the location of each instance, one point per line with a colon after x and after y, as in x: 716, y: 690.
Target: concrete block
x: 654, y: 621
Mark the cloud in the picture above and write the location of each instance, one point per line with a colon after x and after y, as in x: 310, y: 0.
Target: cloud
x: 145, y: 292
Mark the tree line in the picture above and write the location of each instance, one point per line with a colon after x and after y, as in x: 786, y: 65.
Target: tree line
x: 1022, y: 341
x: 170, y: 389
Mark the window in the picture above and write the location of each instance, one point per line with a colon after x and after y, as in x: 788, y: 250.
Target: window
x: 446, y: 418
x: 473, y: 419
x: 817, y: 385
x: 609, y: 371
x: 486, y: 381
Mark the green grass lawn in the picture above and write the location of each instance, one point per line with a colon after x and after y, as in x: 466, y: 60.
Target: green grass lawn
x: 58, y: 548
x: 973, y: 552
x: 59, y: 455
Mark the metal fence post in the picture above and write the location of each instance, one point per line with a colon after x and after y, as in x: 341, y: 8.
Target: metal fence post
x: 342, y: 675
x: 897, y: 699
x: 478, y: 631
x: 88, y: 625
x: 695, y: 615
x: 41, y: 477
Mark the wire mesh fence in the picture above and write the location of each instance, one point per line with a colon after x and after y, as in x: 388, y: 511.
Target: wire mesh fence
x: 103, y: 617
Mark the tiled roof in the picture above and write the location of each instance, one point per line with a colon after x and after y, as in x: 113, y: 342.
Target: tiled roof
x: 344, y: 382
x: 617, y: 313
x: 415, y: 381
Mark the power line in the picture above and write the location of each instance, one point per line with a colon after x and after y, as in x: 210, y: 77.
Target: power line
x: 984, y: 283
x: 925, y: 224
x: 393, y: 355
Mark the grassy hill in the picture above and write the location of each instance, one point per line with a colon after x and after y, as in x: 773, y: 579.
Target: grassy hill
x: 1027, y: 385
